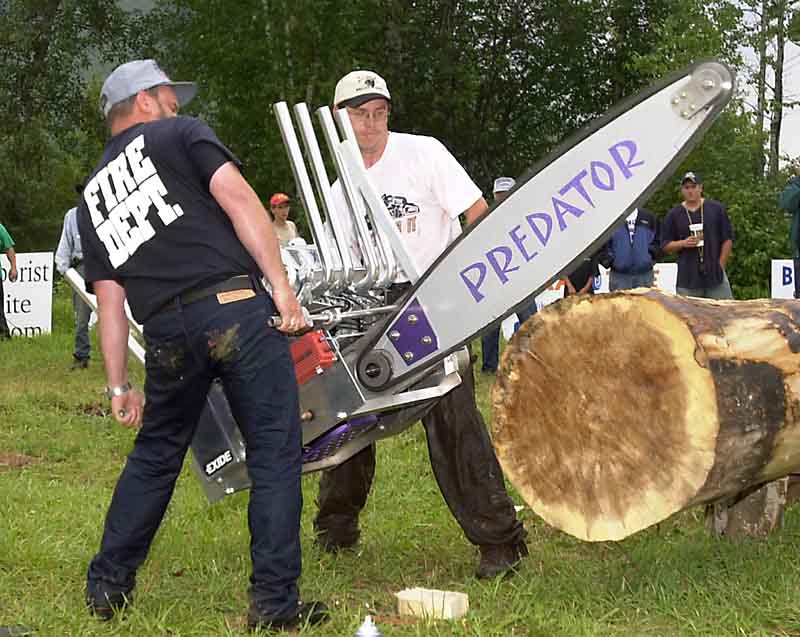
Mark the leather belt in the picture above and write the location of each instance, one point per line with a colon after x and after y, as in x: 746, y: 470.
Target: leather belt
x: 240, y: 282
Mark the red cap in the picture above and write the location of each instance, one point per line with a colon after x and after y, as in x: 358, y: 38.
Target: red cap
x: 279, y: 198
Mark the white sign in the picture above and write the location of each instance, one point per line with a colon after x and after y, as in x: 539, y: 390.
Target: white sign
x: 28, y: 301
x: 782, y: 279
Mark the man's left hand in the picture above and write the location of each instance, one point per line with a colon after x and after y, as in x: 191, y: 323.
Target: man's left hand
x: 128, y: 408
x: 12, y: 275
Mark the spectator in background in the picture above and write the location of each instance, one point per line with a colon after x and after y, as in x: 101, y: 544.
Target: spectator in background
x: 70, y: 255
x: 790, y: 202
x: 581, y: 279
x: 490, y: 341
x: 284, y: 229
x: 700, y: 232
x: 632, y: 250
x: 7, y: 246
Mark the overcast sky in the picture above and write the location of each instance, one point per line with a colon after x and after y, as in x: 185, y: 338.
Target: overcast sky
x: 790, y: 135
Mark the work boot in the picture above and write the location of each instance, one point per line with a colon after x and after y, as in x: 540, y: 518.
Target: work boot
x: 104, y: 602
x: 498, y: 559
x: 79, y: 363
x: 306, y: 613
x: 339, y: 537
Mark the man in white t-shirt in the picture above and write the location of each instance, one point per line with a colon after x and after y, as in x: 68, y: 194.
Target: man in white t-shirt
x: 426, y: 190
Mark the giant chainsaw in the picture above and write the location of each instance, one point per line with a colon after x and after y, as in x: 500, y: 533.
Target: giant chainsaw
x: 369, y: 368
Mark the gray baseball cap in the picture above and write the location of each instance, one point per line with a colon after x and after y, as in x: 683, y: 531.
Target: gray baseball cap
x: 130, y: 78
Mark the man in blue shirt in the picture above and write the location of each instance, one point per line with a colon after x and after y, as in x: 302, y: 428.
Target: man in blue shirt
x: 790, y: 202
x: 699, y: 231
x: 632, y: 250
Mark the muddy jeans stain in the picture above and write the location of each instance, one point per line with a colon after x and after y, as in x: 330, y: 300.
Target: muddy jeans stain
x: 222, y: 344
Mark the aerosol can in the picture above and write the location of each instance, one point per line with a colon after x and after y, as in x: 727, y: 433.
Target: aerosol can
x: 368, y: 628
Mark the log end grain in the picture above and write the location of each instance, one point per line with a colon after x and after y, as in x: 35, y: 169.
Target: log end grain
x: 604, y: 415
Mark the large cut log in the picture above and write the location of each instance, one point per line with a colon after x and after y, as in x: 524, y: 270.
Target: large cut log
x: 613, y: 412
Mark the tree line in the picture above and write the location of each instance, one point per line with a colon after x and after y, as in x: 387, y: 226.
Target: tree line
x: 501, y: 84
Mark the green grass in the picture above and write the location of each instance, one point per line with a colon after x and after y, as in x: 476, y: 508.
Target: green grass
x: 671, y: 580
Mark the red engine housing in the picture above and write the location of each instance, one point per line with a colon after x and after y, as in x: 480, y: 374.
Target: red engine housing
x: 312, y: 354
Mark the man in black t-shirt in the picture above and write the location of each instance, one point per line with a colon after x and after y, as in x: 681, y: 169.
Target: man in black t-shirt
x: 169, y: 223
x: 700, y: 232
x: 581, y: 279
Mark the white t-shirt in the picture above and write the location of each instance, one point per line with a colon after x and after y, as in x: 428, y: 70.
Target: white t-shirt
x: 285, y: 233
x: 425, y: 189
x: 631, y: 221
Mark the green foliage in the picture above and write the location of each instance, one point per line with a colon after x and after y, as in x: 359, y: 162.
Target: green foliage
x: 501, y: 84
x: 793, y: 27
x: 46, y: 134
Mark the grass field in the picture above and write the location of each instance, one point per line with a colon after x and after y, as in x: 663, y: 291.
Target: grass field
x: 60, y: 456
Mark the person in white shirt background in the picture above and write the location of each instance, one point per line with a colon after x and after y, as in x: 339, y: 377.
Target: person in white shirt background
x: 69, y: 254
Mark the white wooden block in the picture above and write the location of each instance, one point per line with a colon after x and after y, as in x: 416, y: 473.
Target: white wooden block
x: 427, y: 602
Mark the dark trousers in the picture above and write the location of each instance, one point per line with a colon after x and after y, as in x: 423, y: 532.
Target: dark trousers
x: 187, y: 347
x: 463, y: 462
x: 490, y: 350
x: 4, y: 333
x: 796, y: 278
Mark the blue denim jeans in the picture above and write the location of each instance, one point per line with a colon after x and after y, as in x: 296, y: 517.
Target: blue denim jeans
x: 187, y: 347
x: 721, y: 291
x: 490, y: 350
x: 83, y: 348
x: 625, y: 281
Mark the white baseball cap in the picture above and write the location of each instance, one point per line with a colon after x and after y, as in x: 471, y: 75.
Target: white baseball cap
x: 358, y: 87
x: 139, y: 75
x: 503, y: 184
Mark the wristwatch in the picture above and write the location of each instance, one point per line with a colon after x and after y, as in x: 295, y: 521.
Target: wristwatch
x: 111, y: 392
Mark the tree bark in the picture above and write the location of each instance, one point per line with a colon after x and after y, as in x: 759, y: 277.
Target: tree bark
x: 613, y: 412
x: 777, y: 101
x: 757, y: 514
x: 761, y: 88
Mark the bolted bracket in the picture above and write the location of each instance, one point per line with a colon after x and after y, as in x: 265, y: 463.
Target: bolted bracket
x: 708, y: 83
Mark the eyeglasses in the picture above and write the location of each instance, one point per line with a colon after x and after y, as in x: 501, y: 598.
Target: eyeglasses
x: 363, y: 115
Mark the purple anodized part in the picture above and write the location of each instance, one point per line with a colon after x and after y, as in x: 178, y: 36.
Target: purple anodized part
x: 329, y: 443
x: 412, y: 335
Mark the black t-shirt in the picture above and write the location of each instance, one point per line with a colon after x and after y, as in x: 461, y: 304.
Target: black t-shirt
x: 716, y: 230
x: 148, y: 221
x: 586, y: 270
